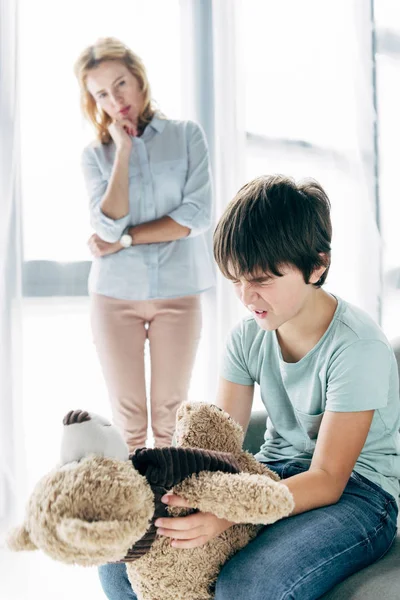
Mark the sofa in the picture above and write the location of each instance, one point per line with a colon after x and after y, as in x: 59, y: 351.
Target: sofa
x: 380, y: 581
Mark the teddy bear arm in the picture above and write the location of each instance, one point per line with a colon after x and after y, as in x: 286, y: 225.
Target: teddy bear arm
x: 241, y: 497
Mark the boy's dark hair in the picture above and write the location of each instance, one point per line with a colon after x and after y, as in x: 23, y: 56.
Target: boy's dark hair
x: 272, y: 221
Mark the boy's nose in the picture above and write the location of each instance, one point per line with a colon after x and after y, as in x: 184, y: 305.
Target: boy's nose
x: 247, y: 294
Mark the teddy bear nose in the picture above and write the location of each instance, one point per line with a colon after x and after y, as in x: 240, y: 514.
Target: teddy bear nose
x: 76, y: 416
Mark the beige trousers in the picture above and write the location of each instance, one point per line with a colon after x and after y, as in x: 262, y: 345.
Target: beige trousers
x: 120, y: 329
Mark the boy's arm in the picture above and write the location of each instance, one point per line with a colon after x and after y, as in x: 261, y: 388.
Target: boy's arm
x: 358, y: 383
x: 340, y: 440
x: 236, y: 400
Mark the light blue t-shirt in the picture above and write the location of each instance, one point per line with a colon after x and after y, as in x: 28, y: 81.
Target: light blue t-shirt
x: 169, y: 175
x: 351, y: 368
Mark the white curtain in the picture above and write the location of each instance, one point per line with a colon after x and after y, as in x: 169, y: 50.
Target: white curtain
x: 230, y: 136
x: 11, y: 445
x: 213, y: 96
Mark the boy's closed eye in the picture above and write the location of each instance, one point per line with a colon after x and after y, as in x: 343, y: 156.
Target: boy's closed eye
x: 265, y: 283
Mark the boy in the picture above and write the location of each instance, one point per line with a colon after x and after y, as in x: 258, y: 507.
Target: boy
x: 329, y: 381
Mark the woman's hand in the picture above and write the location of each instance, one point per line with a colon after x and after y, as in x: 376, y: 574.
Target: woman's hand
x: 99, y: 247
x: 121, y: 132
x: 190, y: 531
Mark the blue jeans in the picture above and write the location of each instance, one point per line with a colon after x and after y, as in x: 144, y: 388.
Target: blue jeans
x: 302, y: 557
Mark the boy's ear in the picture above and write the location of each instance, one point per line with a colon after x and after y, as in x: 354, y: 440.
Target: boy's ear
x: 319, y: 271
x: 19, y: 540
x: 317, y: 274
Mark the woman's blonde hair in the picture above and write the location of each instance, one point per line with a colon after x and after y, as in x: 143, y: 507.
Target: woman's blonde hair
x: 111, y: 49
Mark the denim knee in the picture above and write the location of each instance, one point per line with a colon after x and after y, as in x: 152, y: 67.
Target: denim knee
x: 229, y: 583
x: 232, y: 583
x: 115, y: 582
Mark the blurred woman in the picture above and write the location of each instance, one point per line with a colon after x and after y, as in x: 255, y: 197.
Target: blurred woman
x: 149, y: 185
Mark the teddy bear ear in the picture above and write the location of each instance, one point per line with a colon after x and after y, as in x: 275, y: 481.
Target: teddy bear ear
x: 19, y: 540
x: 89, y: 535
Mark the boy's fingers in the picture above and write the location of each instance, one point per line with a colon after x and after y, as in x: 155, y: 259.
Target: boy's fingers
x: 173, y: 500
x: 179, y: 523
x: 187, y: 534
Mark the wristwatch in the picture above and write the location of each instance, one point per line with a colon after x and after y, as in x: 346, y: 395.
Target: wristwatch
x: 126, y: 240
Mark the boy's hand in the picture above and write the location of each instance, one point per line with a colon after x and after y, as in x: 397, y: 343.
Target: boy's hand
x: 99, y: 247
x: 191, y: 531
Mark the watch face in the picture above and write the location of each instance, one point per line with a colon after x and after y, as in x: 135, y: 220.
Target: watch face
x: 126, y: 240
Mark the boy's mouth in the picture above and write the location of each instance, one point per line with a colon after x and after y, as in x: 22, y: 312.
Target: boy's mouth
x: 261, y: 314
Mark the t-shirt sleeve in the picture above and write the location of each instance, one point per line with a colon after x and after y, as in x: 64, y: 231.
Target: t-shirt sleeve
x: 358, y: 377
x: 234, y: 365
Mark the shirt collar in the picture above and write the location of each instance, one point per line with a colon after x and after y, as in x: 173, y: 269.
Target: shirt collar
x: 157, y: 124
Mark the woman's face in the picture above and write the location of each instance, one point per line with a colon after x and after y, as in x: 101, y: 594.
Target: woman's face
x: 115, y: 90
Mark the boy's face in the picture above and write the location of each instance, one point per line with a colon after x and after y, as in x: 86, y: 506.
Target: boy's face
x: 273, y: 300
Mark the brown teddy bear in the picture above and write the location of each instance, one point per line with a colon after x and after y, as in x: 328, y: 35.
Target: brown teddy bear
x: 99, y: 505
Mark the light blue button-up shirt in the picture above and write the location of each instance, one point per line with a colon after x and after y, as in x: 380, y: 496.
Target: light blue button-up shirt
x: 169, y: 175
